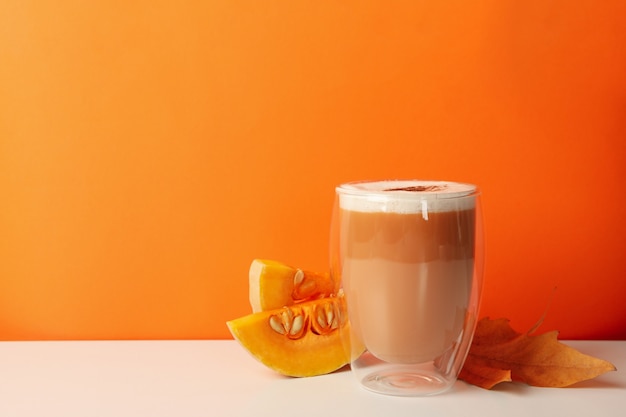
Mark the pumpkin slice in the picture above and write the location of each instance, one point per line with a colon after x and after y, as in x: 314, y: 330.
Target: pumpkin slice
x: 299, y: 340
x: 273, y: 284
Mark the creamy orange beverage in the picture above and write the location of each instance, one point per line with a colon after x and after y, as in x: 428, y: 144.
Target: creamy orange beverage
x: 407, y: 251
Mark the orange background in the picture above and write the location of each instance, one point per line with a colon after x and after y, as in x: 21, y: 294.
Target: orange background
x: 149, y: 150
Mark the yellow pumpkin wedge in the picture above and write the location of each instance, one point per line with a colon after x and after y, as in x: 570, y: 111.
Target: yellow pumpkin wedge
x: 300, y: 340
x: 273, y: 284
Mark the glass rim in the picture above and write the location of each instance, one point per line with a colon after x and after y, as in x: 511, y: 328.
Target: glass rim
x: 410, y: 189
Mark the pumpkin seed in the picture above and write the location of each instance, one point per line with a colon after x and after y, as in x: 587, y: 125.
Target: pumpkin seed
x: 276, y: 325
x: 297, y: 324
x: 298, y: 277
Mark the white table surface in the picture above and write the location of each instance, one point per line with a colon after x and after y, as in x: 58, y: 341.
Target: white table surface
x: 218, y: 378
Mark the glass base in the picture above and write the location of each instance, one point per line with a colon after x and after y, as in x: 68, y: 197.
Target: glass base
x: 405, y: 382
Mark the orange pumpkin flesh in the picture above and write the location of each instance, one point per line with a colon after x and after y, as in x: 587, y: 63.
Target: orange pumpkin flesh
x: 299, y: 340
x: 274, y: 285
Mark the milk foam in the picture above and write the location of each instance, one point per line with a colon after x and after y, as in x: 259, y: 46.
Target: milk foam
x: 406, y: 196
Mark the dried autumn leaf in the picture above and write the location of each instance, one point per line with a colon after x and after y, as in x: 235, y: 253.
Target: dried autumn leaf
x: 499, y: 354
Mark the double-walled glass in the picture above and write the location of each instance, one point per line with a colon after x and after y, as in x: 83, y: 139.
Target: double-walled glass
x: 409, y: 255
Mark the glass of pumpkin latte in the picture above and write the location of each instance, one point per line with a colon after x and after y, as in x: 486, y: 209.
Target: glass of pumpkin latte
x: 409, y: 254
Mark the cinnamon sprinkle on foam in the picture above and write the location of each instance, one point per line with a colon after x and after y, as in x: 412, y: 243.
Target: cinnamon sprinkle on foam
x: 419, y: 188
